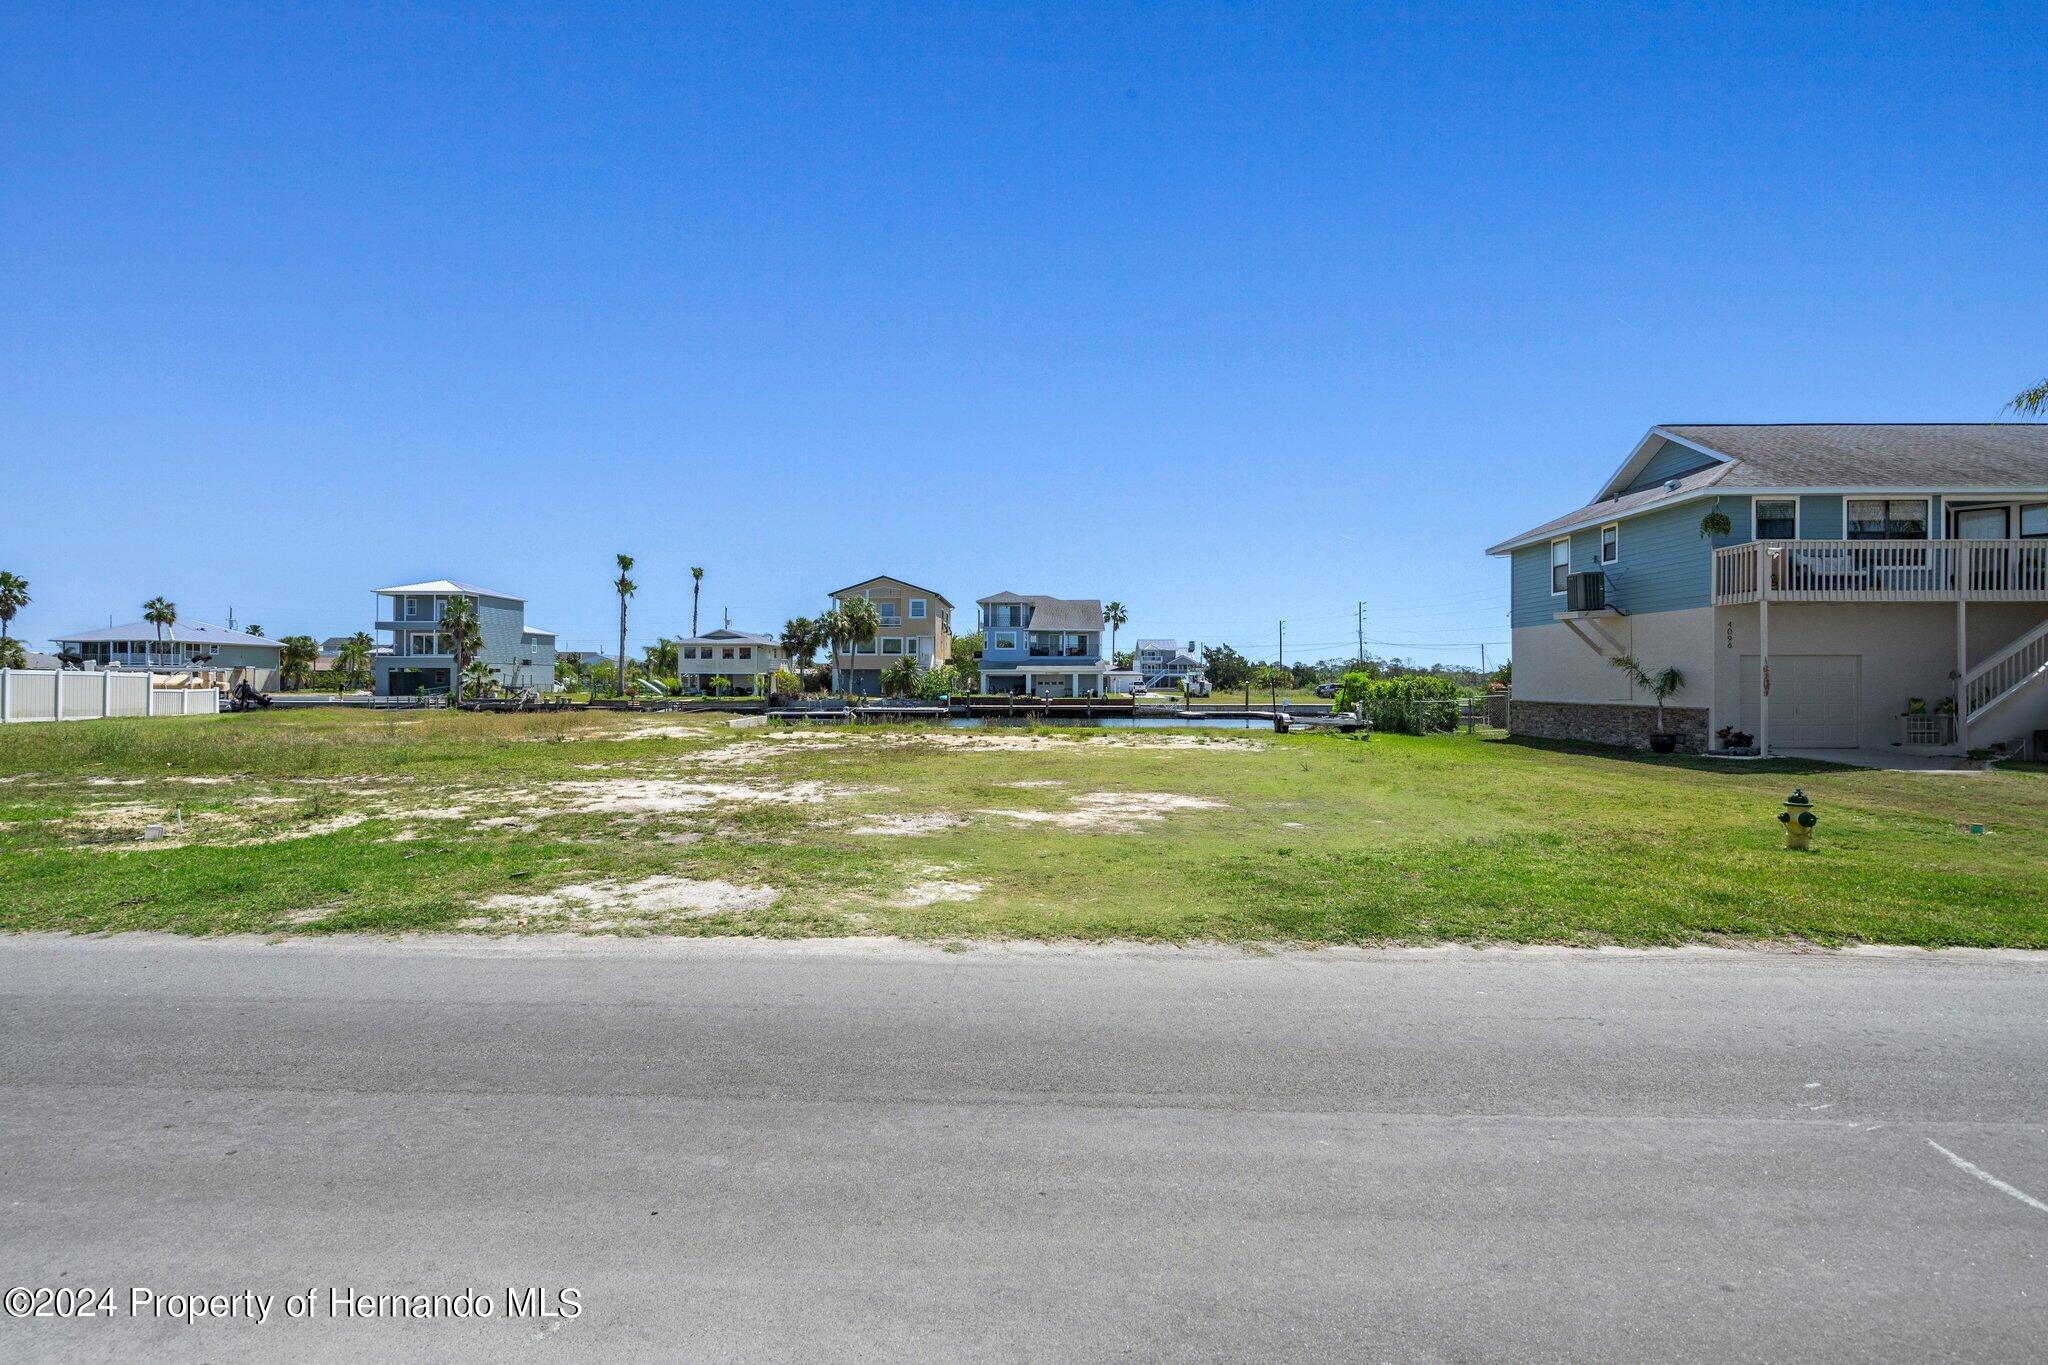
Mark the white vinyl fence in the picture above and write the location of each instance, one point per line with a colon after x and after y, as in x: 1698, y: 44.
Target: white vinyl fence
x: 51, y: 694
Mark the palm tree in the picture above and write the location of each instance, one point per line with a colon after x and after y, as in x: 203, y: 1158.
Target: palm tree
x: 12, y: 655
x: 800, y: 639
x: 1116, y: 615
x: 664, y: 658
x: 162, y: 613
x: 626, y: 588
x: 459, y: 624
x: 13, y: 597
x: 352, y: 660
x: 2033, y: 402
x: 296, y: 659
x: 850, y: 625
x: 252, y: 629
x: 696, y: 587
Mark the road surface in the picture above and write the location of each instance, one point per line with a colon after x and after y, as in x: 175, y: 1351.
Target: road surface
x: 804, y: 1152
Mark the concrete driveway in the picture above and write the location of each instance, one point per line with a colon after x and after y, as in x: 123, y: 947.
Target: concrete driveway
x: 751, y: 1151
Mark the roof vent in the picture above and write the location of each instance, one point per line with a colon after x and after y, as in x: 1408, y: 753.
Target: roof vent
x: 1670, y: 485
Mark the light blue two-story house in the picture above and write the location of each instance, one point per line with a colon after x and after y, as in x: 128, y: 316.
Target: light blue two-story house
x: 420, y: 658
x: 1042, y: 646
x: 1820, y: 587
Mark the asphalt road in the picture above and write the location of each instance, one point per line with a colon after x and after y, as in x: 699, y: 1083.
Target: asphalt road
x: 735, y: 1151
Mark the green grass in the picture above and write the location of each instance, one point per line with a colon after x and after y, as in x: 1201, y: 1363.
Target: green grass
x: 326, y: 821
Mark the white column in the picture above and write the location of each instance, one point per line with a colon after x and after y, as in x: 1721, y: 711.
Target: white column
x: 1962, y: 675
x: 1763, y: 681
x: 6, y: 695
x: 57, y: 697
x: 106, y: 695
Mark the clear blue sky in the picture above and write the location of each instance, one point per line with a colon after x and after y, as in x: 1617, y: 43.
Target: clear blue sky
x: 1232, y: 314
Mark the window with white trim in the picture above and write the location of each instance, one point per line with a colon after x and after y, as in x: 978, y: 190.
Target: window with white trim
x: 892, y: 644
x: 1610, y: 542
x: 917, y: 609
x: 1560, y: 563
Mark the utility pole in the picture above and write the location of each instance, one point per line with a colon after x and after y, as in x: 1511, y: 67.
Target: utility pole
x: 1283, y: 644
x: 1361, y: 635
x: 1482, y: 663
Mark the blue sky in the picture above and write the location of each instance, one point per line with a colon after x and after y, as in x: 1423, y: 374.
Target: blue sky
x: 1234, y: 314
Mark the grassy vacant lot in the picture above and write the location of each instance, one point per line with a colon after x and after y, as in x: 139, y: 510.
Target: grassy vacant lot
x: 333, y: 821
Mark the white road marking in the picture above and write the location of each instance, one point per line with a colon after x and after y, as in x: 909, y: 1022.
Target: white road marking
x: 1993, y: 1181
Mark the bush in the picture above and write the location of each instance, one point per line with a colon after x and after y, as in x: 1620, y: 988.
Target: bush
x: 1390, y: 702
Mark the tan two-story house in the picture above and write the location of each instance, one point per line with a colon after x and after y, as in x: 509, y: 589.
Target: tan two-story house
x: 915, y: 623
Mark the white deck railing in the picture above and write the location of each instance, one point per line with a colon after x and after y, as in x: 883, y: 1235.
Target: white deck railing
x: 1999, y: 676
x: 1882, y: 571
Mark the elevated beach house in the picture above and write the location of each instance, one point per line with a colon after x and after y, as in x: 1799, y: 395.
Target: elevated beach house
x: 420, y: 658
x: 1042, y: 646
x: 731, y: 661
x: 1821, y: 587
x: 1166, y: 663
x: 916, y: 623
x: 185, y: 645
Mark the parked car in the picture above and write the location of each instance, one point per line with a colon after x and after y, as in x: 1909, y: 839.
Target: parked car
x: 1326, y: 690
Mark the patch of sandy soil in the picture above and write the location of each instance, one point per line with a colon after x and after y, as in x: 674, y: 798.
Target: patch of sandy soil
x: 935, y: 822
x: 1034, y: 782
x: 935, y: 891
x: 608, y: 904
x: 659, y: 796
x: 1111, y: 812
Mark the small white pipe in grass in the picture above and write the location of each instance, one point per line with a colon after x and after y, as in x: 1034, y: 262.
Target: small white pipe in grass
x: 1993, y: 1181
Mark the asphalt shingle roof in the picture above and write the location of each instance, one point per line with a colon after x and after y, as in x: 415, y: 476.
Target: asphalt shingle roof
x: 2006, y: 456
x: 1055, y: 613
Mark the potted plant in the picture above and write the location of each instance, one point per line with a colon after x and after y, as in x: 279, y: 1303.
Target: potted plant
x: 1659, y: 685
x: 1916, y: 706
x: 1716, y: 523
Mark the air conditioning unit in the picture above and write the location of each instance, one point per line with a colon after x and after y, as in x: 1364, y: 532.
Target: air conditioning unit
x: 1586, y: 591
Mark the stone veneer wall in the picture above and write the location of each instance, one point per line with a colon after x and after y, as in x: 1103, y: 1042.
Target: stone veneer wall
x: 1616, y: 723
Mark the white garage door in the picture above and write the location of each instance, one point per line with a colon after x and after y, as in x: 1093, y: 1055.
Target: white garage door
x: 1813, y: 700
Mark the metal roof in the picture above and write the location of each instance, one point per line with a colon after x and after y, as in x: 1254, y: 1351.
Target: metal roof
x: 447, y: 587
x: 184, y: 632
x: 729, y: 637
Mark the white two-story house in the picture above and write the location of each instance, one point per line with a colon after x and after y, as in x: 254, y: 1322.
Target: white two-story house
x: 733, y: 661
x: 1820, y: 587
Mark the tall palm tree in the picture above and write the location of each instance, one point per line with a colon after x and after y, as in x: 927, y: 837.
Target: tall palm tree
x: 696, y: 587
x: 162, y: 613
x: 1116, y: 614
x: 800, y: 639
x: 13, y: 597
x: 626, y: 587
x: 2033, y: 402
x: 850, y: 625
x: 465, y: 636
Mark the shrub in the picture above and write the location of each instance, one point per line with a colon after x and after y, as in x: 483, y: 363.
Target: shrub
x: 1390, y: 703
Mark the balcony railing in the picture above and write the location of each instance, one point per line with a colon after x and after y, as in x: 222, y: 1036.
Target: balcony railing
x: 1882, y: 571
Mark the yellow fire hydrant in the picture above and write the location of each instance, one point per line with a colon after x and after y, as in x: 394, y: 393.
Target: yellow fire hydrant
x: 1799, y: 820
